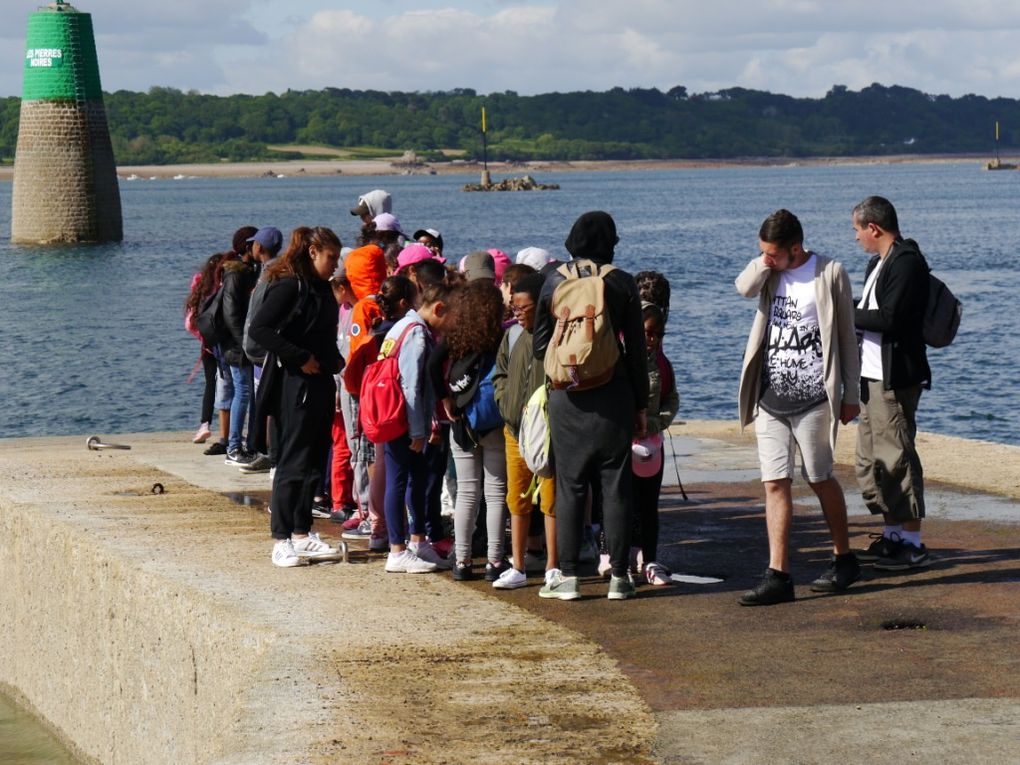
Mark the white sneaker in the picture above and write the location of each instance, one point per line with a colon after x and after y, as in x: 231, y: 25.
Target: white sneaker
x: 285, y: 556
x: 605, y: 567
x: 407, y: 562
x: 658, y: 575
x: 313, y: 548
x: 425, y: 551
x: 510, y: 579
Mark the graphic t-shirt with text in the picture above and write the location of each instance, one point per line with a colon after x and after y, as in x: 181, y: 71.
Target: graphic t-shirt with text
x: 792, y: 378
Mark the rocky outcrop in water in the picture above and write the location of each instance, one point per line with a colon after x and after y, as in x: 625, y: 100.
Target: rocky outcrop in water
x: 524, y: 183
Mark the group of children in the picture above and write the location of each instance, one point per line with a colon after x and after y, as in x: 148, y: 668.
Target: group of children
x: 461, y: 338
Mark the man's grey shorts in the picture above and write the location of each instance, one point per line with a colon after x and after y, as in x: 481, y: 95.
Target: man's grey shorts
x: 779, y: 438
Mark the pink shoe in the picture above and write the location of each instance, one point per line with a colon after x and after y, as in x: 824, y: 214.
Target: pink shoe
x: 202, y: 434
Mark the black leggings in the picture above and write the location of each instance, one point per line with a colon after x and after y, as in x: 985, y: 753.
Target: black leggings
x: 645, y: 519
x: 209, y: 366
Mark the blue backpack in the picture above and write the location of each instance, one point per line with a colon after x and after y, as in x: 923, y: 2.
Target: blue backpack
x: 482, y: 413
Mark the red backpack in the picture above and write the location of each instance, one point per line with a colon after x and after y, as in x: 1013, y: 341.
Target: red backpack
x: 383, y: 406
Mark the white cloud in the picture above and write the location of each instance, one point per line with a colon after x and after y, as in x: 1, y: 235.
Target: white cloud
x: 798, y: 47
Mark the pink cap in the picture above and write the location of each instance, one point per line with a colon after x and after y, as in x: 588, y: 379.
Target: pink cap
x: 501, y: 260
x: 646, y: 456
x: 416, y: 253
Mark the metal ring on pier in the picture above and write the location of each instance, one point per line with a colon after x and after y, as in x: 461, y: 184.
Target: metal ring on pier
x: 95, y: 443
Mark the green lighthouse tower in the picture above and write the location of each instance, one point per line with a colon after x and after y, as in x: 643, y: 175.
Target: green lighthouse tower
x: 65, y: 178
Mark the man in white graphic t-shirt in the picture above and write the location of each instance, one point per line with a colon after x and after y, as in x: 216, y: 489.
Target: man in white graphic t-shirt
x: 800, y: 380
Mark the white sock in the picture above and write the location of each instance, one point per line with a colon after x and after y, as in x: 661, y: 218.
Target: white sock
x: 890, y: 530
x: 912, y: 538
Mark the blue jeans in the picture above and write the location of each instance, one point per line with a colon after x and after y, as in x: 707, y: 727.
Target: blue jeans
x: 240, y: 407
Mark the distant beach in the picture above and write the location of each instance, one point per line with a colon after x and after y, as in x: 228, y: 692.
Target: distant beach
x: 358, y: 167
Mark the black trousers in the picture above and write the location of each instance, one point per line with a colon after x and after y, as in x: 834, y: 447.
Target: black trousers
x: 304, y: 419
x: 591, y: 434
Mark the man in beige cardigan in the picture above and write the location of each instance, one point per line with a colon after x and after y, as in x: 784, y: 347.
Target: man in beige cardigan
x: 800, y: 379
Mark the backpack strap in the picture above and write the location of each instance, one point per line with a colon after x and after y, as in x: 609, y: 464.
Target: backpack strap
x: 400, y: 340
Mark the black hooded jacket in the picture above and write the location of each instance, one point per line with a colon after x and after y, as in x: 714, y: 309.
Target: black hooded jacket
x: 902, y: 294
x: 593, y: 237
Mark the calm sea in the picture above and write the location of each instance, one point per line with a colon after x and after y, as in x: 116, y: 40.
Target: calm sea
x: 93, y: 341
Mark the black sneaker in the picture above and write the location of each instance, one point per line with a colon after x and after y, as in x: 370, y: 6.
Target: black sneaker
x: 492, y: 573
x: 904, y: 556
x: 239, y: 458
x: 774, y: 587
x: 462, y: 572
x: 260, y: 464
x: 843, y: 571
x: 882, y: 547
x: 215, y: 448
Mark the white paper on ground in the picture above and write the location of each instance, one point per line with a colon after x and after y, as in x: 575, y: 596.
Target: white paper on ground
x: 694, y: 579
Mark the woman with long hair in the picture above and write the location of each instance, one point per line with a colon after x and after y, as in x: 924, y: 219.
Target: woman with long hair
x: 471, y: 339
x: 297, y: 324
x: 203, y: 284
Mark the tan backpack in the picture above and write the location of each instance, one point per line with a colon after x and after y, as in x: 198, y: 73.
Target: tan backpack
x: 584, y: 350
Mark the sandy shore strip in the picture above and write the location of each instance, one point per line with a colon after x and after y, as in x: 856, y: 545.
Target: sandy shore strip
x: 383, y: 167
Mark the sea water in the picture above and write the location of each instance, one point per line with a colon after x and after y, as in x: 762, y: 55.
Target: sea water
x: 23, y: 741
x: 92, y: 340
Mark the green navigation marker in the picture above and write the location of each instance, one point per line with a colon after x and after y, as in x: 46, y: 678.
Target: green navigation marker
x: 65, y: 178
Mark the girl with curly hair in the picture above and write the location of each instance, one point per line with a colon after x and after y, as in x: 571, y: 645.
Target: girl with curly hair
x: 471, y: 339
x: 203, y: 284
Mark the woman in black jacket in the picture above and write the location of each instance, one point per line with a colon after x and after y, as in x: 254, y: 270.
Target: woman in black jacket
x: 297, y: 325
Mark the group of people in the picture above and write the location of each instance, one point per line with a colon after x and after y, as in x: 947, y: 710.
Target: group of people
x: 488, y: 352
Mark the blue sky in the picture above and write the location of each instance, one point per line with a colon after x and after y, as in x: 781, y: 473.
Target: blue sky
x: 797, y: 47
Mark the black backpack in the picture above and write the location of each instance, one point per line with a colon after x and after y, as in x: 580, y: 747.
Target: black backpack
x: 209, y: 319
x: 942, y: 312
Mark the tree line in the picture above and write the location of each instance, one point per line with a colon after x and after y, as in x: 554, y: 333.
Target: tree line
x: 166, y: 126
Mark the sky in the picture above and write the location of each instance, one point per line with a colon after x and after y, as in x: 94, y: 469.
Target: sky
x: 795, y: 47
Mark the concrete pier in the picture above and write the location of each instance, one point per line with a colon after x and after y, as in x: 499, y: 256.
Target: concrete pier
x: 152, y: 628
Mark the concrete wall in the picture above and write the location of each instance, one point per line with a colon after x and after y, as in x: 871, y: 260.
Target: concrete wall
x: 128, y: 666
x: 65, y: 179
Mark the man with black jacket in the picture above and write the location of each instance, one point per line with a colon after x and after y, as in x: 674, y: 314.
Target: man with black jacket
x: 894, y: 370
x: 592, y: 430
x: 239, y: 278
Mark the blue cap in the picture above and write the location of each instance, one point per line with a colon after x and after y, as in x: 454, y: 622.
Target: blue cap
x: 269, y: 237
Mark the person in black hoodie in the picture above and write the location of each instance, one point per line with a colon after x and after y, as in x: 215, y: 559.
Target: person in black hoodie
x: 296, y: 324
x: 894, y: 369
x: 592, y: 430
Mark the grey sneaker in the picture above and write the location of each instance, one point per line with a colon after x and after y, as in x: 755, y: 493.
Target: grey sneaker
x: 559, y: 586
x: 362, y: 531
x: 621, y: 588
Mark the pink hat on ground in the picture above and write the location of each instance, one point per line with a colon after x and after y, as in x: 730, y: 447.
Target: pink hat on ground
x: 501, y: 260
x: 416, y: 253
x: 646, y: 456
